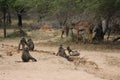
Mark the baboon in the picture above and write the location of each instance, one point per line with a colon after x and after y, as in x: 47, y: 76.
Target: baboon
x: 30, y: 44
x: 61, y: 52
x: 22, y: 42
x: 72, y: 53
x: 26, y: 55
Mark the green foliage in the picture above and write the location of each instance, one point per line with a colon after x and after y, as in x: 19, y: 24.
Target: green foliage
x: 3, y: 3
x: 6, y: 4
x: 63, y: 8
x: 1, y: 39
x: 66, y: 7
x: 102, y: 7
x: 43, y: 7
x: 19, y: 5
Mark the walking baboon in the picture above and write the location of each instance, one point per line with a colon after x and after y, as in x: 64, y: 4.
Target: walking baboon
x: 22, y: 42
x: 72, y: 53
x: 26, y: 55
x: 30, y: 44
x: 61, y: 52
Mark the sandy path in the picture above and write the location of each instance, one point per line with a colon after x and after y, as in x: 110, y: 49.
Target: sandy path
x: 46, y: 68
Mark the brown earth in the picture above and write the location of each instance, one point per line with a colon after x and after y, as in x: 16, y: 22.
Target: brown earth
x: 51, y: 67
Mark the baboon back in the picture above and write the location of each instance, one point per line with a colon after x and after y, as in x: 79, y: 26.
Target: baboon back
x: 30, y: 44
x: 25, y: 57
x: 62, y: 53
x: 22, y: 42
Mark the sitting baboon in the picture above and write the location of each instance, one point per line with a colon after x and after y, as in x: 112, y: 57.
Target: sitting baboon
x: 72, y: 53
x: 22, y: 42
x: 30, y: 44
x: 26, y: 55
x: 61, y: 52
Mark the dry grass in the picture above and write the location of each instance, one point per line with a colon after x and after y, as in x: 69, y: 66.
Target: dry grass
x: 113, y: 61
x: 78, y: 61
x: 53, y: 38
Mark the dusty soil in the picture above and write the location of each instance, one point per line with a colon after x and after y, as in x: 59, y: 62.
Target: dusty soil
x: 51, y: 67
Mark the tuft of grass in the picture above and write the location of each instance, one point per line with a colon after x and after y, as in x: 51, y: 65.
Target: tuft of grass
x: 40, y: 35
x: 17, y: 34
x: 1, y: 39
x: 72, y: 38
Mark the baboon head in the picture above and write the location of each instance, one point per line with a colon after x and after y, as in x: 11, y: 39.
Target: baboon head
x: 23, y: 39
x: 29, y: 40
x: 60, y: 46
x: 69, y: 50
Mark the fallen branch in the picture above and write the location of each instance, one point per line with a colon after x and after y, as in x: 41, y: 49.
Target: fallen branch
x: 42, y: 51
x: 116, y: 39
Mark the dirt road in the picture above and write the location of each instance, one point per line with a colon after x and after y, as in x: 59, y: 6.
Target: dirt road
x: 51, y: 67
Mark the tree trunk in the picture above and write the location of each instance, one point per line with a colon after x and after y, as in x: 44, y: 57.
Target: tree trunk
x: 67, y: 30
x: 105, y: 24
x: 4, y: 20
x: 19, y: 20
x: 116, y: 39
x: 101, y: 29
x: 99, y: 32
x: 66, y: 26
x: 9, y: 18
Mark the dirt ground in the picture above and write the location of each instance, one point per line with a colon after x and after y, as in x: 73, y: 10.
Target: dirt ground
x: 51, y: 67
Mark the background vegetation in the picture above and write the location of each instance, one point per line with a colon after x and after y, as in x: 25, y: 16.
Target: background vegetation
x: 59, y: 13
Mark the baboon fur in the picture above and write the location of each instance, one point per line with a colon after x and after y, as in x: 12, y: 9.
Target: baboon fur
x: 61, y: 52
x: 30, y: 44
x: 26, y: 55
x: 72, y: 53
x: 23, y: 43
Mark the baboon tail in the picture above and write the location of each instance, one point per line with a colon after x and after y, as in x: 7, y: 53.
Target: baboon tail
x: 33, y: 59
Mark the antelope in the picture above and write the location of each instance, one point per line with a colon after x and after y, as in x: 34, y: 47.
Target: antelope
x: 84, y: 26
